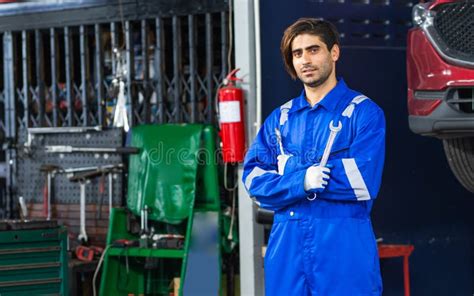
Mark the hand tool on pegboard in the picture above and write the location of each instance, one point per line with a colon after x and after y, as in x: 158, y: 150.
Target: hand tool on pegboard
x: 31, y: 181
x: 32, y: 132
x: 82, y: 237
x: 88, y: 172
x: 23, y: 209
x: 50, y: 171
x: 82, y: 178
x: 71, y: 149
x: 92, y: 169
x: 93, y: 172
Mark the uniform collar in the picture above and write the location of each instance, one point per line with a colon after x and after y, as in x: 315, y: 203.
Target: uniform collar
x: 329, y: 102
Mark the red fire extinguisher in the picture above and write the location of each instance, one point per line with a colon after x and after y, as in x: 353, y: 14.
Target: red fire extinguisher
x: 231, y: 118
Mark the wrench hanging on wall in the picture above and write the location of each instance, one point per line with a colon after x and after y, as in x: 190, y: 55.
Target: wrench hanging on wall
x: 82, y: 231
x: 51, y: 171
x: 99, y: 171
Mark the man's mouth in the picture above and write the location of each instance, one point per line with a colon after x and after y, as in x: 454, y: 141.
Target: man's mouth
x: 308, y: 71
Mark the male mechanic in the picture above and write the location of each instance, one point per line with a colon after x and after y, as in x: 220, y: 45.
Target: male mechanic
x: 322, y: 242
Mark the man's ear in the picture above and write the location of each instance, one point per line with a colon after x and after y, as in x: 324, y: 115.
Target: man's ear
x: 335, y: 51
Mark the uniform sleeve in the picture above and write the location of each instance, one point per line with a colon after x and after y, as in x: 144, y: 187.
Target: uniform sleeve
x: 261, y: 179
x: 358, y: 177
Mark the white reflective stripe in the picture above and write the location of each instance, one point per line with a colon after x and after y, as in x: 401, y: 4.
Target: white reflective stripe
x: 256, y: 172
x: 287, y: 105
x: 284, y: 111
x: 349, y: 110
x: 283, y: 116
x: 359, y: 99
x: 355, y: 179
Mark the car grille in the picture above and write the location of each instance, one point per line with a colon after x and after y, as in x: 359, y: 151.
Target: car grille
x: 454, y: 23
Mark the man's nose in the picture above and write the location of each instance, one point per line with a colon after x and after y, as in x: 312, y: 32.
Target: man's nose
x: 306, y: 58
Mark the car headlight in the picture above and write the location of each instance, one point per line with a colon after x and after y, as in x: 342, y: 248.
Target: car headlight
x: 419, y: 14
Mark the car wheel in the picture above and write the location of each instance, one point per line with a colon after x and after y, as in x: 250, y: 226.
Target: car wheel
x: 460, y: 155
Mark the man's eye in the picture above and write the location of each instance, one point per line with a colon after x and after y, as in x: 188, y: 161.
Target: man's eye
x: 314, y: 50
x: 297, y: 54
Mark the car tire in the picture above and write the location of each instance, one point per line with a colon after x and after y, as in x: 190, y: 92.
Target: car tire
x: 460, y: 155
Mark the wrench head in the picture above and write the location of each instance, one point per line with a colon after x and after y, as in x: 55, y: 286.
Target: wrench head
x: 334, y: 128
x: 82, y: 238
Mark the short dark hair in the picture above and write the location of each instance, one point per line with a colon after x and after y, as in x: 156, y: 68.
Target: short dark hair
x: 318, y: 27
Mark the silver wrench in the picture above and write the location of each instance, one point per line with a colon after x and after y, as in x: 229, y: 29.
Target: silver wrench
x: 82, y: 231
x: 330, y: 142
x: 327, y: 150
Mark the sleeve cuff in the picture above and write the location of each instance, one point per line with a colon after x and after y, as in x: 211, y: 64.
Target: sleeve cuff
x: 297, y: 187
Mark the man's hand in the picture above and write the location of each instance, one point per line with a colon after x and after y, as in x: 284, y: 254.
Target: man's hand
x: 316, y: 178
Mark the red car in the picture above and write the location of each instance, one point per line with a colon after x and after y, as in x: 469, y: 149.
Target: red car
x: 440, y: 73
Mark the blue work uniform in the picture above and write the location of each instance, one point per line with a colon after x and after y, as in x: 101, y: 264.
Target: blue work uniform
x: 324, y: 246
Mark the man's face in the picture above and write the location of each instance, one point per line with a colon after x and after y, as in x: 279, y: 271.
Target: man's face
x: 312, y: 60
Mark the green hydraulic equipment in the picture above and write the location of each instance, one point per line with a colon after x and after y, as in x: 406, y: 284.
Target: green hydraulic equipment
x: 33, y: 258
x: 170, y: 233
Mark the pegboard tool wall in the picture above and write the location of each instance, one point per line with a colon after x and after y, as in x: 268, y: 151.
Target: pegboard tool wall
x: 31, y: 180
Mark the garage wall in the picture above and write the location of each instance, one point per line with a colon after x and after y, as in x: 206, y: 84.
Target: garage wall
x: 420, y: 202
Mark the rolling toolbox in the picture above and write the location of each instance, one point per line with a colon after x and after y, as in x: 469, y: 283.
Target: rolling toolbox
x: 33, y: 258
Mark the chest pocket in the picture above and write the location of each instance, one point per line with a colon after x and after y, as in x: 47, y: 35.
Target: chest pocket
x: 338, y: 152
x: 342, y: 143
